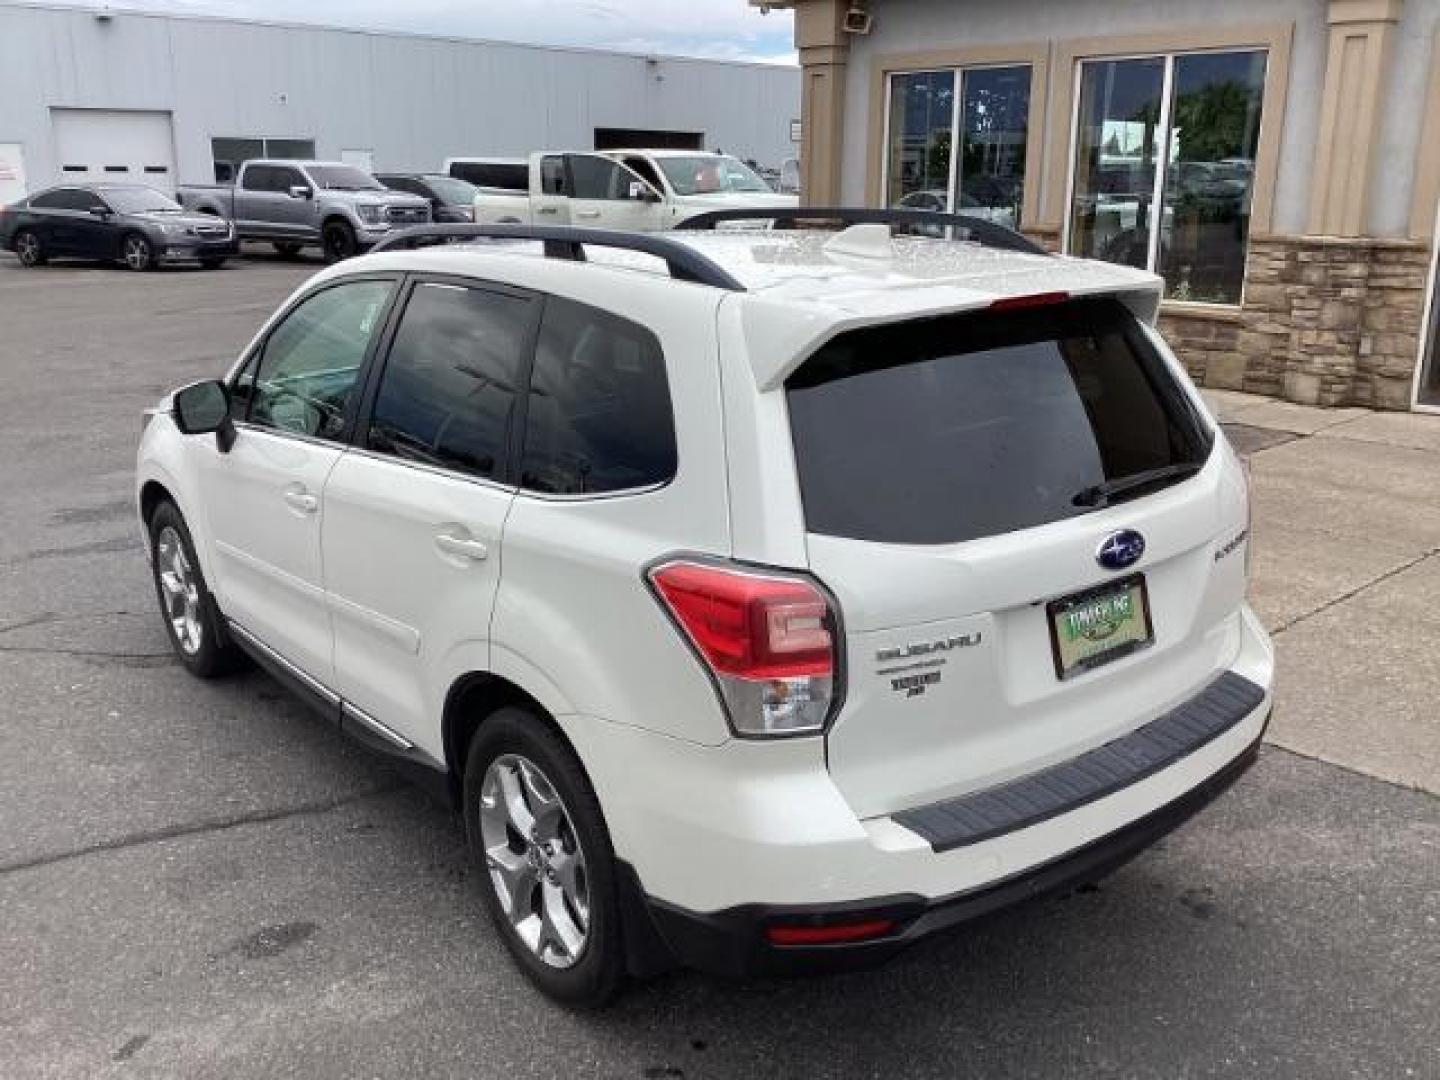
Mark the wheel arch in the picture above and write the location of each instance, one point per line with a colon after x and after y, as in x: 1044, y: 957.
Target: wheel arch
x: 471, y: 700
x: 152, y: 494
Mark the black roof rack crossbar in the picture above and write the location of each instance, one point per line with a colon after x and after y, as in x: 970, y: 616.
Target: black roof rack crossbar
x: 562, y: 242
x: 978, y: 229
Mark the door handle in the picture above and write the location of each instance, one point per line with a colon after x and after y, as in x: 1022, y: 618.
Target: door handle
x: 462, y: 548
x: 302, y: 500
x: 587, y: 213
x: 547, y: 210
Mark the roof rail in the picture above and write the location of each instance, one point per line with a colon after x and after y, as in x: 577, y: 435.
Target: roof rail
x: 562, y: 242
x: 977, y: 229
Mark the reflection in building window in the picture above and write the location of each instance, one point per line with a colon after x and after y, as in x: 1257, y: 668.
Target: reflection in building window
x: 922, y: 114
x: 1179, y: 133
x: 990, y: 127
x: 992, y: 155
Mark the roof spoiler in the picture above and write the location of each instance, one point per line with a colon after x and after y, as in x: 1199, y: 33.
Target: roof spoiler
x: 780, y: 336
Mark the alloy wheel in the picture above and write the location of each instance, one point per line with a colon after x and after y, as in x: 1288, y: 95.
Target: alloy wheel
x: 137, y: 252
x: 27, y: 246
x: 536, y: 864
x: 180, y: 591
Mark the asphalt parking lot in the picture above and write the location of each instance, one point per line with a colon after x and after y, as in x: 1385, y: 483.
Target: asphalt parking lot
x: 203, y: 880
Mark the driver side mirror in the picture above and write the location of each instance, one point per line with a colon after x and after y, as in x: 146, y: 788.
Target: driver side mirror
x: 300, y: 191
x: 204, y: 407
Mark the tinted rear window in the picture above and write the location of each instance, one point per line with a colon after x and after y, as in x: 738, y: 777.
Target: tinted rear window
x: 492, y: 174
x: 945, y: 430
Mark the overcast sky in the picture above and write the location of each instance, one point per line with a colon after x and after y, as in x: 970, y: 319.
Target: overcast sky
x: 726, y: 29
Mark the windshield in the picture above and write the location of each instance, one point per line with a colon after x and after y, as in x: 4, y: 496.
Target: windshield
x: 943, y: 430
x: 450, y: 191
x: 709, y: 174
x: 343, y: 178
x: 139, y: 200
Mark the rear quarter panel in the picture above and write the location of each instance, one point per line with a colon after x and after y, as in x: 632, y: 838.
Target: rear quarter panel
x: 573, y: 608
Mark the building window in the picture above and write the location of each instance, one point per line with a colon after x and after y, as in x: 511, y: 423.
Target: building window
x: 1177, y: 132
x: 990, y: 126
x: 227, y: 154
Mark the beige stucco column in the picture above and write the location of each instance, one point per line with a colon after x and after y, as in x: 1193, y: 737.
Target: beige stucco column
x: 1361, y: 36
x: 824, y: 51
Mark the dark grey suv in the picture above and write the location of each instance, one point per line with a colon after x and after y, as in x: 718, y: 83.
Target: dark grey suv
x: 128, y: 223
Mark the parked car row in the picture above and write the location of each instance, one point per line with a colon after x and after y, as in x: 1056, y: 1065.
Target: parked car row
x: 345, y: 210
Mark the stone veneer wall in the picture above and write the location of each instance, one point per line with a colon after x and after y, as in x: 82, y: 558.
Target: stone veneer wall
x: 1325, y: 321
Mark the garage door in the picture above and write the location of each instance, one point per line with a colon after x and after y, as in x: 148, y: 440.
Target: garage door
x: 115, y: 145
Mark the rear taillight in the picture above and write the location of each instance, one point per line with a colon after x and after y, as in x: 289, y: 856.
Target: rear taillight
x: 768, y: 640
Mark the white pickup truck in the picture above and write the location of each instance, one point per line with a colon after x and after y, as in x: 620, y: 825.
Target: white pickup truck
x: 631, y: 190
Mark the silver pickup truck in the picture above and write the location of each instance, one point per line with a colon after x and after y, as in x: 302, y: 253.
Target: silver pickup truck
x: 298, y: 203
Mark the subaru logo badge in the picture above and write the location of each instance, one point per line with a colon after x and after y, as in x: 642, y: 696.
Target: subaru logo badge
x: 1120, y: 550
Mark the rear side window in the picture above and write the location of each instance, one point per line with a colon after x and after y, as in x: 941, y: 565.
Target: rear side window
x: 552, y: 176
x: 448, y: 390
x: 945, y: 430
x: 599, y: 414
x: 494, y: 174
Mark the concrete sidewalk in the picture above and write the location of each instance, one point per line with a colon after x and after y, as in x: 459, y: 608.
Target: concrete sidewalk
x: 1345, y: 575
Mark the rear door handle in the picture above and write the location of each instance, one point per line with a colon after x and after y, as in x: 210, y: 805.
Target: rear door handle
x: 461, y: 547
x: 302, y: 500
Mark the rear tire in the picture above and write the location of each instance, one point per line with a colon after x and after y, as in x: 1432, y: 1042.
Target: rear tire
x: 338, y: 241
x: 192, y: 619
x: 552, y: 893
x: 285, y: 248
x: 29, y: 249
x: 137, y: 253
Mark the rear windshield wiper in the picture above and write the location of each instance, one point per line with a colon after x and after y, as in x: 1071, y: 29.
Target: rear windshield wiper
x: 1103, y: 494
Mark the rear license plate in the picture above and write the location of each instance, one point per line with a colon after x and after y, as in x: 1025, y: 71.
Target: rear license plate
x: 1099, y: 625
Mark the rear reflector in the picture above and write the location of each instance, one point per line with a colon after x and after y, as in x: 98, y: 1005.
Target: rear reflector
x: 1012, y: 303
x: 834, y: 934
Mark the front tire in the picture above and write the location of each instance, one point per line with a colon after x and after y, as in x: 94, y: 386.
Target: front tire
x: 534, y: 825
x: 192, y: 619
x: 338, y: 240
x: 29, y: 249
x: 137, y: 253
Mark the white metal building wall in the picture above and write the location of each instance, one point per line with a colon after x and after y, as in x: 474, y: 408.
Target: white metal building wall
x: 410, y: 100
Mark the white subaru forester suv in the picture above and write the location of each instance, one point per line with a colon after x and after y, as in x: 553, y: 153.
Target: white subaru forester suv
x: 766, y: 600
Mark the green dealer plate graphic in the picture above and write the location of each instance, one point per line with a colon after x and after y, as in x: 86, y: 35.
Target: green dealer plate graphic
x: 1099, y: 625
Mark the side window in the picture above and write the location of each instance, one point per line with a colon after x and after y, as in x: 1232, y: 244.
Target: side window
x: 449, y: 385
x: 310, y: 363
x: 596, y: 177
x: 256, y: 178
x: 552, y: 176
x: 599, y: 413
x: 285, y: 178
x: 51, y: 200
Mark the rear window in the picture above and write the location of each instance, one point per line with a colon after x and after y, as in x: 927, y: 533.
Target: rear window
x: 944, y: 430
x: 492, y: 174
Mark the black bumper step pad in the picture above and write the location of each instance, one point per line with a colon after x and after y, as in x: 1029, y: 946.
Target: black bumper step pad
x: 1028, y: 800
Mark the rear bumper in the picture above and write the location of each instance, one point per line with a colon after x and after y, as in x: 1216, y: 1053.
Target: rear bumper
x: 733, y: 941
